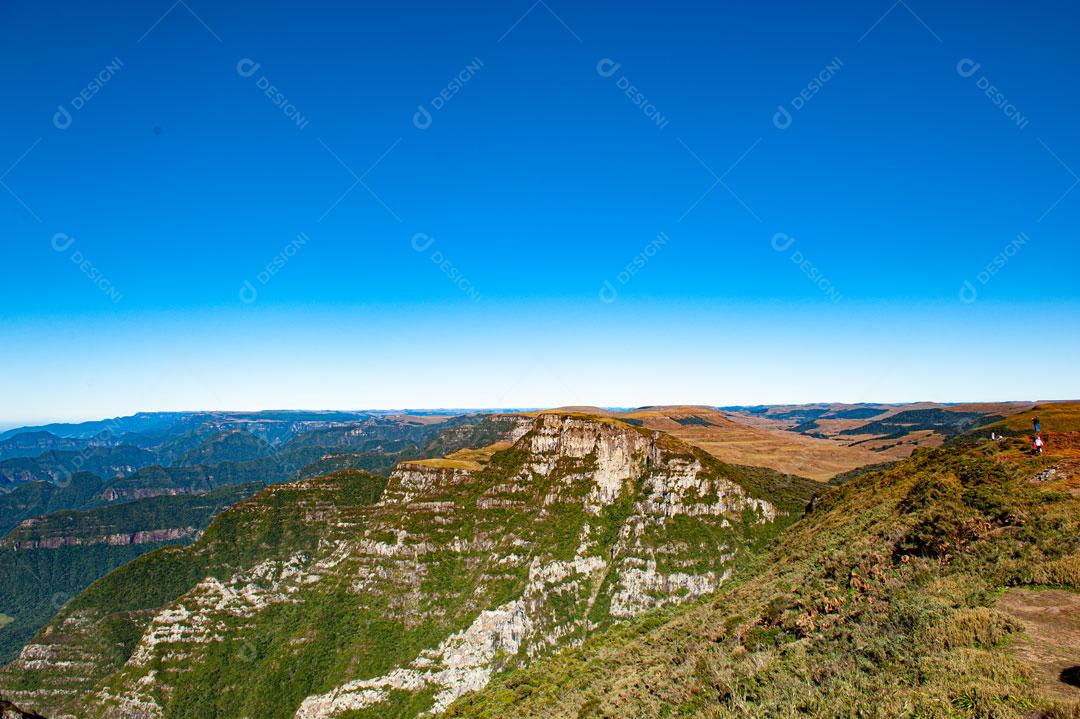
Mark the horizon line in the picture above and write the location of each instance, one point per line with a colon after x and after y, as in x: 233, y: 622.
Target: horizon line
x: 8, y: 425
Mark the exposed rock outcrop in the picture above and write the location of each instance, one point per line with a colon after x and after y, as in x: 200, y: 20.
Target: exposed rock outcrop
x: 118, y: 539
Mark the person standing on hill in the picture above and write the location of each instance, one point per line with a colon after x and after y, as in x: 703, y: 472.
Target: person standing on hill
x: 1036, y: 423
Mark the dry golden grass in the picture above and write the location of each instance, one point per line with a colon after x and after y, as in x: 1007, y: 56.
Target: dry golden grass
x: 442, y: 463
x: 1054, y: 416
x: 732, y: 440
x: 471, y: 459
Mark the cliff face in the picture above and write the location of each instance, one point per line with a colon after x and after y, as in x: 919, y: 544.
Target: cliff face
x: 118, y: 539
x: 309, y: 601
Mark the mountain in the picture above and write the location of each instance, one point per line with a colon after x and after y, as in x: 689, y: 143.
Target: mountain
x: 591, y: 563
x: 47, y: 560
x: 58, y: 465
x: 141, y: 509
x: 152, y: 429
x: 233, y: 446
x: 31, y: 444
x: 353, y: 592
x: 140, y: 422
x: 943, y: 586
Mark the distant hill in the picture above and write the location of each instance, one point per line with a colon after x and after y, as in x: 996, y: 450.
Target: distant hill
x: 890, y: 431
x: 234, y: 446
x: 32, y: 444
x: 141, y: 422
x: 58, y: 465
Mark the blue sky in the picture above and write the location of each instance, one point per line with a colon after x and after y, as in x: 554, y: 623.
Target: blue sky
x: 603, y: 208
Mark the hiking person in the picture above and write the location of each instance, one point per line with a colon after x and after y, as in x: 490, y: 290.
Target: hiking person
x: 1036, y: 423
x: 1037, y: 447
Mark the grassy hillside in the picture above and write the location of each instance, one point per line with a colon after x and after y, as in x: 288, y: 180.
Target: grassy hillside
x: 880, y: 603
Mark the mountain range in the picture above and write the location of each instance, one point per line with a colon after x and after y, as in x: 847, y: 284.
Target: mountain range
x: 577, y: 562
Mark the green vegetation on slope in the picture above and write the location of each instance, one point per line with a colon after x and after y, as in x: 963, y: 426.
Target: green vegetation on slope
x: 33, y: 499
x: 38, y: 582
x: 235, y: 446
x: 59, y: 465
x: 221, y: 463
x: 142, y: 515
x: 879, y: 603
x: 116, y: 609
x: 946, y: 422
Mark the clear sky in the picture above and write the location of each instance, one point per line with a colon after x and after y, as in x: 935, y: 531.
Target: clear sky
x: 421, y: 204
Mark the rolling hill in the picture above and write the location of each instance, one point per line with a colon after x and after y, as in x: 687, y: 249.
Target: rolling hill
x: 892, y: 431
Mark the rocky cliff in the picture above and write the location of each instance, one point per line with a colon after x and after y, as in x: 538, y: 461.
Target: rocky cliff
x: 118, y: 539
x: 336, y: 597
